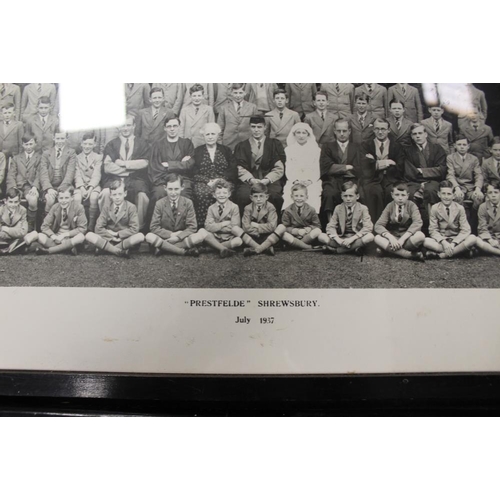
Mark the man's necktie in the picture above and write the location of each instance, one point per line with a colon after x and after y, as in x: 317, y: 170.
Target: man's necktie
x: 58, y: 153
x: 65, y: 214
x: 495, y: 209
x: 196, y: 110
x: 337, y: 87
x: 349, y: 216
x: 369, y: 87
x: 2, y: 89
x: 281, y: 115
x: 259, y: 144
x: 400, y: 214
x: 448, y: 212
x: 398, y: 124
x: 7, y: 124
x: 261, y: 85
x: 87, y: 160
x: 436, y: 126
x: 475, y: 128
x: 299, y: 211
x: 39, y: 88
x: 404, y: 91
x: 116, y: 210
x: 323, y: 116
x: 11, y: 217
x: 156, y: 112
x: 174, y: 208
x: 362, y: 121
x: 382, y: 149
x: 498, y: 167
x: 130, y: 85
x: 259, y: 209
x: 127, y: 149
x: 239, y: 107
x: 221, y: 210
x: 44, y: 121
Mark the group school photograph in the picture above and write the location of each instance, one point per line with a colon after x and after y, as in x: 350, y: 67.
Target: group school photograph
x: 254, y: 185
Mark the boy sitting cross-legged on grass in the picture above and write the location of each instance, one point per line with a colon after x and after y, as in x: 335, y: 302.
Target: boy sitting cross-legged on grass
x: 223, y: 220
x: 300, y: 221
x: 65, y: 225
x: 117, y: 228
x: 350, y: 227
x: 259, y: 223
x: 399, y: 227
x: 449, y: 230
x: 173, y: 227
x: 489, y: 220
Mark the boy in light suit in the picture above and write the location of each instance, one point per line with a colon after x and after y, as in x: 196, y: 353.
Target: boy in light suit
x: 74, y: 140
x: 117, y: 228
x: 57, y: 169
x: 281, y: 119
x: 491, y: 166
x: 449, y: 230
x: 400, y: 126
x: 301, y: 97
x: 11, y: 132
x: 479, y: 134
x: 489, y: 220
x: 10, y: 92
x: 43, y: 125
x: 223, y: 220
x: 234, y: 117
x: 149, y: 121
x: 31, y: 96
x: 13, y: 224
x: 350, y: 228
x: 136, y: 96
x: 322, y: 121
x: 260, y: 223
x: 465, y: 174
x: 262, y: 95
x: 378, y: 98
x: 88, y: 178
x: 173, y: 226
x: 174, y: 94
x: 439, y: 131
x: 195, y: 116
x: 399, y: 227
x: 362, y: 120
x: 300, y: 221
x: 208, y: 94
x: 65, y: 225
x: 340, y: 98
x: 403, y: 92
x: 24, y: 174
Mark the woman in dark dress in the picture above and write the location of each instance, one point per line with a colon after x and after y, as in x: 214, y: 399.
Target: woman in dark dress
x: 212, y: 161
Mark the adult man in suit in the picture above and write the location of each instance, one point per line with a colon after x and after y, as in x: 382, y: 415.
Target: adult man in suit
x: 260, y: 160
x: 339, y: 163
x: 43, y: 125
x: 362, y: 120
x: 10, y: 92
x: 340, y: 98
x: 149, y: 121
x: 400, y: 126
x: 322, y: 121
x: 57, y: 169
x: 479, y: 134
x: 174, y: 94
x: 405, y: 93
x: 262, y: 95
x: 378, y: 98
x: 281, y: 119
x: 491, y: 166
x: 126, y: 158
x: 438, y: 130
x: 171, y: 155
x: 425, y: 167
x: 234, y: 117
x: 11, y: 132
x: 382, y: 163
x: 136, y: 96
x: 301, y: 97
x: 31, y: 97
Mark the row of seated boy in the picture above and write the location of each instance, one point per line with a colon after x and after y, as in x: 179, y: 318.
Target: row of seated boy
x: 174, y: 228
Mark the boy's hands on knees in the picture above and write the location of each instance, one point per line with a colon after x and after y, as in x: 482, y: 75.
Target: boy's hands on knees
x: 395, y: 244
x: 226, y: 223
x: 173, y: 240
x: 448, y: 248
x: 308, y: 229
x: 302, y: 232
x: 349, y: 241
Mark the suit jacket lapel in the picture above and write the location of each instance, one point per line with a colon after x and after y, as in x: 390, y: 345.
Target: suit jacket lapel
x: 356, y: 214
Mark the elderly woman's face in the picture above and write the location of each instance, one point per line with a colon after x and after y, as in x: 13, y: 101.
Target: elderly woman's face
x: 301, y: 136
x: 211, y: 137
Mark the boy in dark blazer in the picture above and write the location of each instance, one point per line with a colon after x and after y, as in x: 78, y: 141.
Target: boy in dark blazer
x: 174, y: 94
x: 117, y: 228
x: 378, y: 98
x: 31, y: 97
x: 439, y: 131
x: 65, y: 225
x: 399, y: 228
x: 400, y: 125
x: 339, y: 163
x: 403, y: 92
x: 322, y: 120
x: 10, y: 92
x: 222, y: 224
x: 362, y: 120
x: 479, y: 134
x: 149, y: 121
x: 491, y: 165
x: 57, y: 169
x: 260, y: 161
x: 350, y: 228
x: 173, y: 227
x: 24, y: 174
x: 300, y: 221
x: 489, y: 220
x: 301, y: 97
x: 136, y: 96
x: 11, y: 132
x: 449, y: 230
x: 281, y: 119
x: 234, y: 117
x: 340, y: 98
x: 43, y: 125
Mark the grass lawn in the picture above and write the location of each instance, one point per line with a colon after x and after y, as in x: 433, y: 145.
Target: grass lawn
x: 288, y: 269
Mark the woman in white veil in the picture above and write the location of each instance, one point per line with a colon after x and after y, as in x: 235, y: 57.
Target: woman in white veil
x: 302, y: 164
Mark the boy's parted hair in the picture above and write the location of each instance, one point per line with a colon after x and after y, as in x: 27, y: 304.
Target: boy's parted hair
x: 400, y: 186
x: 197, y: 87
x: 8, y: 105
x: 494, y: 184
x: 222, y: 184
x: 397, y: 101
x: 43, y: 100
x: 87, y: 136
x: 258, y: 188
x: 350, y: 185
x: 279, y: 91
x: 496, y: 140
x: 299, y: 186
x: 63, y: 189
x: 445, y: 185
x: 363, y: 96
x: 236, y: 86
x: 27, y: 137
x: 156, y: 89
x: 462, y: 137
x: 171, y: 178
x: 13, y: 193
x: 341, y: 120
x: 323, y: 93
x: 116, y: 184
